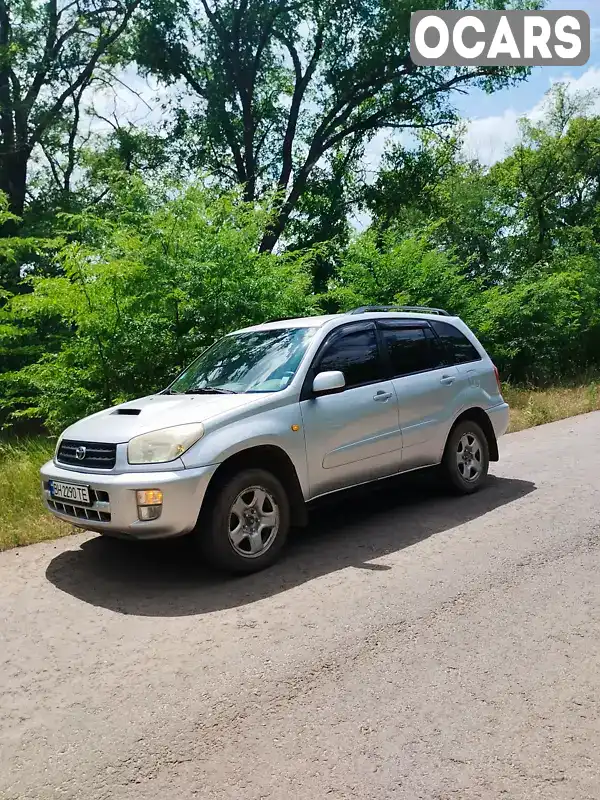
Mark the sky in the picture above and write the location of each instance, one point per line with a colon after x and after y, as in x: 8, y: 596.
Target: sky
x: 493, y: 118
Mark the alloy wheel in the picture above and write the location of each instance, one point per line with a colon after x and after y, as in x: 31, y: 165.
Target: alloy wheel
x: 253, y: 522
x: 469, y: 457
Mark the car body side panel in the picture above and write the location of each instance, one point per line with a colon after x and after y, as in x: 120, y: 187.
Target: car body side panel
x: 477, y: 388
x: 478, y: 385
x: 271, y: 426
x: 499, y: 416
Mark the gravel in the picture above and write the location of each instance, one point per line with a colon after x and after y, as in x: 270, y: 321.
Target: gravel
x: 410, y: 645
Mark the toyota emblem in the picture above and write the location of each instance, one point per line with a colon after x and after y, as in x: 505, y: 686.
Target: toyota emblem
x: 80, y: 453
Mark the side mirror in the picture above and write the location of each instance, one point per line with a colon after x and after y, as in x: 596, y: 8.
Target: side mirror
x: 326, y: 382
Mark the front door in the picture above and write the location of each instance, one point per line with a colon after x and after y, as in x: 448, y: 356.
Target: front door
x: 352, y: 436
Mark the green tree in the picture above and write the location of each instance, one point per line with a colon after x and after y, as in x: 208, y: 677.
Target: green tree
x: 280, y: 85
x: 393, y: 268
x: 50, y: 53
x: 548, y: 188
x: 143, y: 291
x: 545, y: 327
x: 434, y: 187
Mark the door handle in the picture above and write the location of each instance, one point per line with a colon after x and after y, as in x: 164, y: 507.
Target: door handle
x: 382, y: 397
x: 447, y: 380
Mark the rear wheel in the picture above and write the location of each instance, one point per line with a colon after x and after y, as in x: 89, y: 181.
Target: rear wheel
x: 247, y: 526
x: 466, y: 458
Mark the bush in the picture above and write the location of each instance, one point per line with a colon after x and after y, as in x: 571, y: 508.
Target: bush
x: 389, y: 269
x: 142, y: 294
x: 546, y: 327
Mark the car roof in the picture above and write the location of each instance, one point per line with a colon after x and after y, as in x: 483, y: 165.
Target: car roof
x: 323, y: 319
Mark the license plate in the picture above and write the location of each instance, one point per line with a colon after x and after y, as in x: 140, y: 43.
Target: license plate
x: 70, y: 491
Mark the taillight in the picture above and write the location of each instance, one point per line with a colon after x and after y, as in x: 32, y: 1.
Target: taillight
x: 497, y: 374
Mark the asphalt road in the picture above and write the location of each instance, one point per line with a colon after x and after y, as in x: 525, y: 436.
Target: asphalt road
x: 411, y: 645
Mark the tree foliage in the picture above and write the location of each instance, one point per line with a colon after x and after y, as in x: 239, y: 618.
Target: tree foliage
x: 142, y: 293
x: 125, y: 252
x: 280, y: 85
x: 49, y: 52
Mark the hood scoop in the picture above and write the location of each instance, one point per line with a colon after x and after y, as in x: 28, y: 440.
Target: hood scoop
x: 128, y: 412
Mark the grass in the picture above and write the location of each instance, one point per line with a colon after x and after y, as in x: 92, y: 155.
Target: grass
x: 531, y: 407
x: 23, y: 519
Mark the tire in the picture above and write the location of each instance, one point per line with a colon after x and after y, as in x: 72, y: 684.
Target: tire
x: 466, y: 458
x: 232, y: 534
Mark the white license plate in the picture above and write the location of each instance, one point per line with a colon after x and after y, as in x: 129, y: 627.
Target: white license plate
x: 70, y: 491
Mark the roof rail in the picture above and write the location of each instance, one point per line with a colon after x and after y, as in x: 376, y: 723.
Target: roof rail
x: 422, y: 309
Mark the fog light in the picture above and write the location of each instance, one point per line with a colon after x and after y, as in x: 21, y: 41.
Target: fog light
x: 149, y: 512
x: 149, y: 503
x: 149, y: 497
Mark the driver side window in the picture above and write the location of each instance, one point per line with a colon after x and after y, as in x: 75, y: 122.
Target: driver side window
x: 356, y: 355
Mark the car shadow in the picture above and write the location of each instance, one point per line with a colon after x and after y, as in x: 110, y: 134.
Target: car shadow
x: 163, y: 579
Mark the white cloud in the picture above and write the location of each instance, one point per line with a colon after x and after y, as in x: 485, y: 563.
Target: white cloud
x: 377, y: 146
x: 490, y: 138
x: 589, y: 80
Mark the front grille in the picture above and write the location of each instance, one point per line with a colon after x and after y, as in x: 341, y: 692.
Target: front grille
x: 96, y: 454
x: 81, y: 512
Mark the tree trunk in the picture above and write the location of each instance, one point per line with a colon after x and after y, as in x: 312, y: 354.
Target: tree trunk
x: 278, y: 224
x: 13, y: 179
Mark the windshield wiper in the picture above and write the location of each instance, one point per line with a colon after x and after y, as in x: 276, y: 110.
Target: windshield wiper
x: 209, y: 390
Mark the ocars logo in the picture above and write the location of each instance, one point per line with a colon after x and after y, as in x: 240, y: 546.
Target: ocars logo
x: 499, y: 38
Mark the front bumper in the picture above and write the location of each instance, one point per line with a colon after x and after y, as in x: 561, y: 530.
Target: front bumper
x: 114, y: 510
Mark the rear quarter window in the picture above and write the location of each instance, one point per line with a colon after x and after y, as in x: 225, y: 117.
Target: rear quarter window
x: 458, y: 348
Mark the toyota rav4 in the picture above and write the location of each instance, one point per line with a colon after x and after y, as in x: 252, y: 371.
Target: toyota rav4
x: 272, y: 417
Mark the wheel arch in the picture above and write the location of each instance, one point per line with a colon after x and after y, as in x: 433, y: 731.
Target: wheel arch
x: 268, y: 457
x: 478, y: 415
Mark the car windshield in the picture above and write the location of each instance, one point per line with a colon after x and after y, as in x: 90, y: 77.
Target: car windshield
x: 256, y: 361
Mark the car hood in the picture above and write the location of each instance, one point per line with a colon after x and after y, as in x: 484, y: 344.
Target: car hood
x: 121, y: 423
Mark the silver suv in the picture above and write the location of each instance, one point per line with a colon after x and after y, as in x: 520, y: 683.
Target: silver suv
x: 274, y: 416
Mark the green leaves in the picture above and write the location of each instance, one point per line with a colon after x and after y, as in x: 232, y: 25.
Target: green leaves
x: 281, y: 86
x: 395, y: 269
x: 142, y: 294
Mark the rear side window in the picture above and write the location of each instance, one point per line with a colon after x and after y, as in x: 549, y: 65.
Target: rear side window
x: 356, y: 355
x: 410, y: 350
x: 458, y: 347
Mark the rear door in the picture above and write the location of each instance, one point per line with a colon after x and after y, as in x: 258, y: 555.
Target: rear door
x: 425, y: 385
x: 352, y: 436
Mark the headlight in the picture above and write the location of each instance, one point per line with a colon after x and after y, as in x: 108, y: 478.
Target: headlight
x: 167, y: 444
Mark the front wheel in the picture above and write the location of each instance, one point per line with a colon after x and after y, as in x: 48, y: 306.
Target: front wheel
x: 247, y: 526
x: 466, y: 458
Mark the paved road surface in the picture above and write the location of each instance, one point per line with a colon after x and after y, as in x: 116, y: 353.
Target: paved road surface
x: 410, y: 646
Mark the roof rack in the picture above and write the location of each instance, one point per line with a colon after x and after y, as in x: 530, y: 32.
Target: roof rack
x: 422, y: 309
